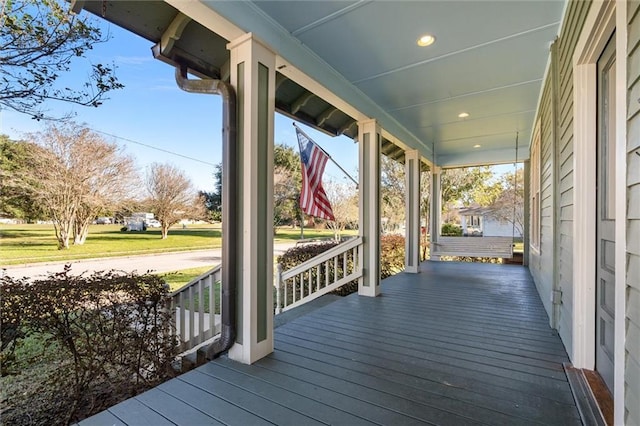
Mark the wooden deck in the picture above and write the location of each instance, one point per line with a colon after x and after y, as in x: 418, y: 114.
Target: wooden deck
x: 456, y: 344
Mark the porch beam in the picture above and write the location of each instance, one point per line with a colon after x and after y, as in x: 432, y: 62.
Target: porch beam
x: 412, y: 211
x: 369, y: 205
x: 252, y: 68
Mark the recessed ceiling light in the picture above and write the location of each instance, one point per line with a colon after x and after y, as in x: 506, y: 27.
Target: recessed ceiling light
x: 463, y: 115
x: 477, y: 145
x: 426, y: 40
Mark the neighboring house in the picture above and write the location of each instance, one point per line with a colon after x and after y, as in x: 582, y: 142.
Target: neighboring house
x: 479, y: 221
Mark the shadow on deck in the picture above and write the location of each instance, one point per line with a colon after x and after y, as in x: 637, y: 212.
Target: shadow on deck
x: 457, y: 344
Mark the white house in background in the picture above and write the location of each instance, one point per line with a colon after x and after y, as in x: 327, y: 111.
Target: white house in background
x: 479, y: 221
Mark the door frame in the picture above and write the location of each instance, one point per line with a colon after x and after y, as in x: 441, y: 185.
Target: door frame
x: 603, y: 19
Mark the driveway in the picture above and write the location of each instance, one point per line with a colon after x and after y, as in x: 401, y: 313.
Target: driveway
x: 164, y: 262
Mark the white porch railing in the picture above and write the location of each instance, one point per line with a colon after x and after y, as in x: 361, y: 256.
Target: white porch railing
x: 318, y: 276
x: 196, y: 307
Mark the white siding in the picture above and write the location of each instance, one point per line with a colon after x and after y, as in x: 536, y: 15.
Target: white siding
x: 540, y: 261
x: 556, y: 115
x: 632, y: 355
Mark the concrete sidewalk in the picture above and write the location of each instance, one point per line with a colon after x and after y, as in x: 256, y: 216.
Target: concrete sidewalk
x: 160, y: 262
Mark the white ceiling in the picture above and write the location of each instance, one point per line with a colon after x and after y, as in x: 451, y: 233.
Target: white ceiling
x: 488, y: 60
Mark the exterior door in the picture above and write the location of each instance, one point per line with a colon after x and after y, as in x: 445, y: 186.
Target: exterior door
x: 605, y: 232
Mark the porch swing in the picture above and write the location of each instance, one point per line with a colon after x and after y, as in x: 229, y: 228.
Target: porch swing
x: 484, y: 246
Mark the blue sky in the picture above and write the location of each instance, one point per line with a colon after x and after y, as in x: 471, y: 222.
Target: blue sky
x: 152, y: 110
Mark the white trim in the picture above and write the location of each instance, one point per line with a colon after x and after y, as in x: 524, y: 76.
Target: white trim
x: 584, y: 248
x: 535, y: 210
x: 600, y: 24
x: 621, y: 210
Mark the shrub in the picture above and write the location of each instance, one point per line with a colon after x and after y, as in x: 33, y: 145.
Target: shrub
x: 300, y: 254
x: 391, y: 255
x: 451, y: 230
x: 105, y: 337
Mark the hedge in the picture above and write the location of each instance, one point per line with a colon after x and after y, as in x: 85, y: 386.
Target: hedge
x: 98, y: 339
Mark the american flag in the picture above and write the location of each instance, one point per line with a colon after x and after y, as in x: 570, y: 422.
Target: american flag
x: 313, y: 199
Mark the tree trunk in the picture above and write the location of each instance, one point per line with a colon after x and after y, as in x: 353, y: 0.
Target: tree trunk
x: 63, y: 239
x: 165, y: 232
x: 80, y: 232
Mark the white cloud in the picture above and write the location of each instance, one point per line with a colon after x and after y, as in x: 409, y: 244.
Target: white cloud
x: 132, y: 60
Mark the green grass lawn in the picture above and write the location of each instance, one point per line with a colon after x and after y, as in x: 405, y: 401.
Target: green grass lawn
x: 177, y: 279
x: 37, y: 243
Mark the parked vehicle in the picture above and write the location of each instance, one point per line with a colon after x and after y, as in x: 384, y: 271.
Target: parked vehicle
x: 153, y: 223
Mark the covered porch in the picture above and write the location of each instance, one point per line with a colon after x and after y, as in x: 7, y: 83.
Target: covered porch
x: 460, y: 343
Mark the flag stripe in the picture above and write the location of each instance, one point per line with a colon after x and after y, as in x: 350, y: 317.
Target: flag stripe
x: 313, y: 199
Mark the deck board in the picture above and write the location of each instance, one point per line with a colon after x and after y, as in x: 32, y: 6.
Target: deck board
x: 457, y: 344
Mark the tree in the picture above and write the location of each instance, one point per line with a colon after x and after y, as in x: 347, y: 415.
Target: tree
x: 509, y: 204
x: 344, y: 203
x: 171, y: 195
x: 392, y: 193
x: 40, y: 40
x: 74, y: 175
x: 469, y: 186
x: 287, y: 180
x: 212, y: 201
x: 16, y: 196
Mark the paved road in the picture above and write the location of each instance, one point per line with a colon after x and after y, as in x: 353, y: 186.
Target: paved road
x: 155, y: 262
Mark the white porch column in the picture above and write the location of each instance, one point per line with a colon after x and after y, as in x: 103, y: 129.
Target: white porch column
x: 369, y: 205
x: 252, y: 69
x: 436, y: 208
x: 412, y: 211
x: 527, y: 214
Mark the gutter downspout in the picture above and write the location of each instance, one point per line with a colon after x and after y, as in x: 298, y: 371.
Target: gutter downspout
x: 229, y: 203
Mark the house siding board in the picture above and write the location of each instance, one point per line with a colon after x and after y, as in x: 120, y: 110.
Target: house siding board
x: 633, y: 203
x: 633, y: 67
x: 634, y: 105
x: 633, y: 38
x: 633, y: 272
x: 633, y: 242
x: 632, y: 408
x: 633, y: 133
x: 632, y: 9
x: 632, y: 336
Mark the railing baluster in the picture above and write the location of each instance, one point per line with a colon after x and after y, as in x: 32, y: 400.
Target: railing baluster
x: 212, y: 304
x: 344, y: 264
x: 278, y: 288
x: 335, y: 269
x: 201, y: 313
x: 318, y: 278
x: 191, y: 316
x: 326, y: 273
x: 296, y: 279
x: 286, y: 294
x: 183, y: 337
x: 310, y: 283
